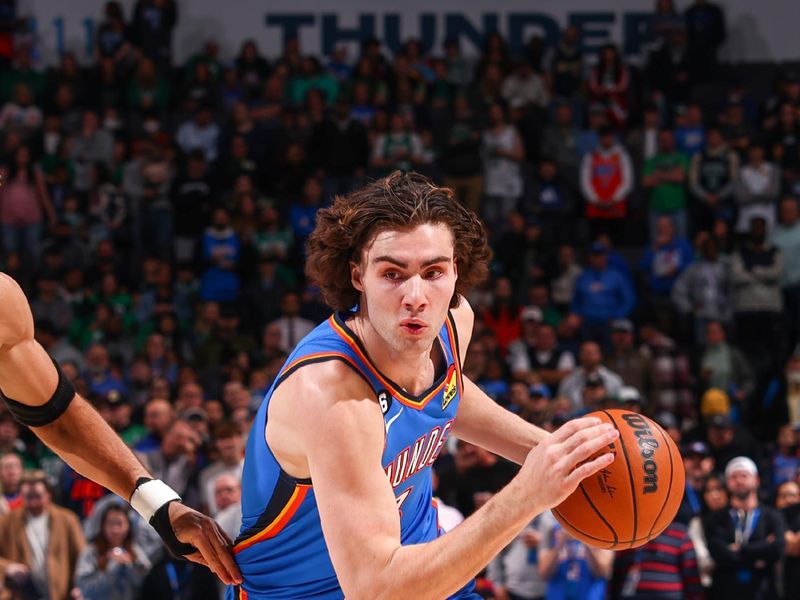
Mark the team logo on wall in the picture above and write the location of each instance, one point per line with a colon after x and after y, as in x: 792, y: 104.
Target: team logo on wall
x: 450, y: 386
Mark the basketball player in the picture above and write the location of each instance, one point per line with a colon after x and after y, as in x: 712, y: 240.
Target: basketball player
x: 39, y: 395
x: 337, y: 479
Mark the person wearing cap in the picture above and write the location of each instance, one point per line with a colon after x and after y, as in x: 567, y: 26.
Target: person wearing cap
x: 746, y: 540
x: 118, y: 415
x: 726, y: 439
x: 601, y: 294
x: 197, y: 419
x: 530, y: 401
x: 698, y: 464
x: 606, y: 180
x: 591, y: 372
x: 630, y: 399
x: 594, y: 396
x: 625, y: 359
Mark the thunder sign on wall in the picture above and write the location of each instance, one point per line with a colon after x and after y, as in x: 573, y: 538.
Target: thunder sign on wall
x: 757, y: 31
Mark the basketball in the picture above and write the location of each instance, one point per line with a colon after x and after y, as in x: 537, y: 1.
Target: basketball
x: 633, y: 499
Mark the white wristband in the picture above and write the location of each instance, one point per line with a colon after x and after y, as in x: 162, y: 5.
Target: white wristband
x: 150, y: 496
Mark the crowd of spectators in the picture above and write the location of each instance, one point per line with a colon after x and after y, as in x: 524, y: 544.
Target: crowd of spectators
x: 646, y: 232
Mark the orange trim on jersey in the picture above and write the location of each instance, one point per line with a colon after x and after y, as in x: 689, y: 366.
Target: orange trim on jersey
x: 435, y: 505
x: 310, y: 357
x: 274, y: 528
x: 401, y: 396
x: 242, y: 593
x: 451, y: 333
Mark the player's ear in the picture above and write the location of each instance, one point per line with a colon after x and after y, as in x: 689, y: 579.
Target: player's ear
x: 355, y: 276
x: 455, y: 267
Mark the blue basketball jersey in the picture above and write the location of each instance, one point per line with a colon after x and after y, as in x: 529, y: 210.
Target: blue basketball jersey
x: 281, y: 550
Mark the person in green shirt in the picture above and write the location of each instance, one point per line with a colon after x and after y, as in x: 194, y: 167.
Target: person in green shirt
x: 313, y: 76
x: 23, y: 72
x: 117, y: 411
x: 665, y: 179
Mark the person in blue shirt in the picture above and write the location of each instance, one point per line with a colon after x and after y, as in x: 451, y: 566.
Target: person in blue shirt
x: 690, y: 133
x: 666, y: 258
x: 221, y: 251
x: 601, y: 294
x: 303, y: 214
x: 572, y: 570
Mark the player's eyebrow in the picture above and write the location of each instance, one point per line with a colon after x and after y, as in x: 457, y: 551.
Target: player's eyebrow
x: 404, y: 265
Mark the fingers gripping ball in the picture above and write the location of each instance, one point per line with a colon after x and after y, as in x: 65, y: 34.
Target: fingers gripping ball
x: 633, y: 499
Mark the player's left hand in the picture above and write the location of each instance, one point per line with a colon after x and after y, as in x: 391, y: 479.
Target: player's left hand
x: 212, y: 543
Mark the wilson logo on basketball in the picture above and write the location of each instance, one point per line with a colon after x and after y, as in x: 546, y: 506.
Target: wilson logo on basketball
x: 647, y: 448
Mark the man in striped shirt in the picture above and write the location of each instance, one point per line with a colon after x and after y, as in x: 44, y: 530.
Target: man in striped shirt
x: 663, y: 569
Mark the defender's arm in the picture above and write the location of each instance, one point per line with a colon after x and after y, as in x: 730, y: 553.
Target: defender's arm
x: 39, y: 395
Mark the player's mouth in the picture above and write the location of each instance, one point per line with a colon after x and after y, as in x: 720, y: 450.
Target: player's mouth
x: 413, y: 326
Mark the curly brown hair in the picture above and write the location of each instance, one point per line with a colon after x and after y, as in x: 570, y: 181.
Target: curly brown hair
x: 400, y: 201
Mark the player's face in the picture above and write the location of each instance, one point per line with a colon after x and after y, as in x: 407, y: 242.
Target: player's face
x: 407, y: 279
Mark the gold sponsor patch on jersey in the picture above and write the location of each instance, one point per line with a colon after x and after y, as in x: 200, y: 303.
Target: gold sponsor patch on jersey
x: 450, y: 387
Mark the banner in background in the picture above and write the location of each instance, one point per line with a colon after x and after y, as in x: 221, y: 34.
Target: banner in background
x: 757, y: 31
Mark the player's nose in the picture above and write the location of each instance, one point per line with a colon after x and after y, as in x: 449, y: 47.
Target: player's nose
x: 414, y: 293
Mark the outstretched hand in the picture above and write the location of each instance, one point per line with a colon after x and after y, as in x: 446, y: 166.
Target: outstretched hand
x: 212, y: 543
x: 556, y: 466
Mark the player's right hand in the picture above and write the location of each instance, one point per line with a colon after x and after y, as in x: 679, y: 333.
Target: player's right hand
x: 555, y: 467
x: 212, y: 543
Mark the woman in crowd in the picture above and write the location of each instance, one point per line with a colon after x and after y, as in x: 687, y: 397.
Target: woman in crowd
x: 112, y: 567
x: 24, y: 205
x: 715, y: 496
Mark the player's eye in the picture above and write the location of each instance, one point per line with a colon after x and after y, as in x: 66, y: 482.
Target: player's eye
x: 434, y: 274
x: 392, y: 276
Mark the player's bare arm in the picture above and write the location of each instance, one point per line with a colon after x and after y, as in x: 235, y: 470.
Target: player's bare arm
x: 339, y: 433
x: 481, y: 421
x: 77, y: 433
